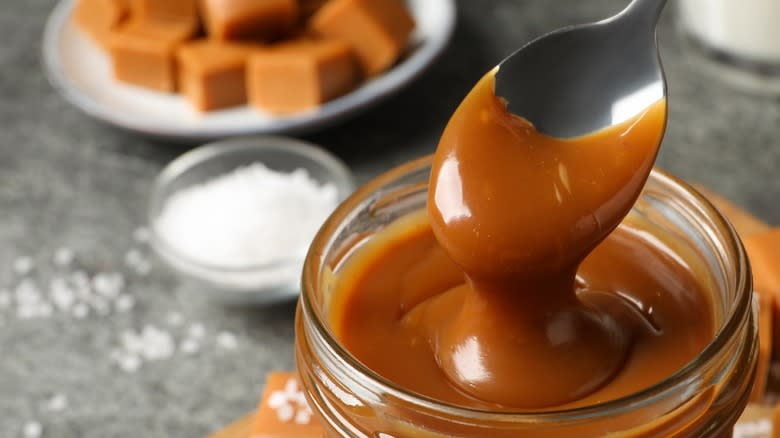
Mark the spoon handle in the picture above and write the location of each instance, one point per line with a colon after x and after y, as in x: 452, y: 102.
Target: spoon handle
x: 643, y: 12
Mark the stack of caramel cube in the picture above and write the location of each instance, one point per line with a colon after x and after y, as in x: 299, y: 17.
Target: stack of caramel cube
x: 280, y: 56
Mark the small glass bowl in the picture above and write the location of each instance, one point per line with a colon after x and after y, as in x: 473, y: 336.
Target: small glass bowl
x: 258, y: 284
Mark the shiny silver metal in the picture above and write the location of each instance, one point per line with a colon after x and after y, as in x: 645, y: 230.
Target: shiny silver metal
x: 584, y: 78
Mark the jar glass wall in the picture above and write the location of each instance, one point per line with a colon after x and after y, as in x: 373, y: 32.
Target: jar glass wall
x: 705, y: 398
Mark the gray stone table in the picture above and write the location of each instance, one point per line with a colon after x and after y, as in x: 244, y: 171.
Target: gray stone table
x: 67, y: 181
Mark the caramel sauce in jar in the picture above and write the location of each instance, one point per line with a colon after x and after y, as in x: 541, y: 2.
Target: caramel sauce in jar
x: 520, y: 299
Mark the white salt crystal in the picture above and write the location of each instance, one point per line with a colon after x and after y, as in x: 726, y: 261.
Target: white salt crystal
x: 157, y: 344
x: 124, y: 303
x: 250, y: 216
x: 32, y: 429
x: 285, y: 413
x: 129, y: 363
x: 80, y: 311
x: 23, y: 265
x: 227, y: 341
x: 131, y: 342
x: 277, y: 399
x: 189, y: 346
x: 57, y: 403
x: 61, y: 294
x: 303, y: 416
x: 108, y: 285
x: 25, y: 312
x: 63, y: 257
x: 141, y: 235
x: 174, y: 319
x: 27, y: 291
x: 196, y: 330
x: 135, y: 260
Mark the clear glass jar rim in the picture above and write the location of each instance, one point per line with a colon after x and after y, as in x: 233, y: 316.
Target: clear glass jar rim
x: 732, y: 322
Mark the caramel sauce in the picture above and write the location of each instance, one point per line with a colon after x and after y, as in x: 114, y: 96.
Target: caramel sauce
x: 516, y: 289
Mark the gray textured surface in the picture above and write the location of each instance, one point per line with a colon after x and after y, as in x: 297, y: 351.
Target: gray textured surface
x: 66, y: 180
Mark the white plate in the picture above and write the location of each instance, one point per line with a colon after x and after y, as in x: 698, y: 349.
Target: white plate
x: 82, y: 73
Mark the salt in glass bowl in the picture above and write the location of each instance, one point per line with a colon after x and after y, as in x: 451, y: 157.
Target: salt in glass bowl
x: 253, y: 284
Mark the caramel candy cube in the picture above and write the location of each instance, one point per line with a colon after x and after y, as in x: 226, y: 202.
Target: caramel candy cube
x: 143, y: 52
x: 212, y: 75
x: 284, y: 411
x: 378, y: 30
x: 165, y: 10
x: 249, y: 19
x: 766, y: 304
x: 764, y: 253
x: 300, y: 75
x: 97, y: 18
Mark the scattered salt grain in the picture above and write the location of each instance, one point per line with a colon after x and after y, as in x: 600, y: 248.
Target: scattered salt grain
x: 129, y: 363
x: 132, y: 342
x: 303, y: 416
x: 64, y: 257
x: 61, y: 294
x: 196, y: 331
x: 57, y: 403
x: 139, y: 263
x: 227, y: 341
x: 174, y: 319
x: 80, y: 311
x: 108, y: 285
x: 189, y: 346
x: 251, y: 216
x: 290, y: 404
x: 23, y: 265
x: 285, y: 413
x: 158, y: 344
x: 124, y: 303
x: 32, y: 429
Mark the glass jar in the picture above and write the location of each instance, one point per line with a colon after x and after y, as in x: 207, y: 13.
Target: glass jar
x: 704, y: 399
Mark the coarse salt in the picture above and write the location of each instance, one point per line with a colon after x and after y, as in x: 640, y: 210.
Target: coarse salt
x: 63, y: 257
x: 32, y: 429
x: 290, y: 404
x: 251, y: 216
x: 57, y: 403
x: 174, y: 319
x: 189, y: 346
x: 124, y: 303
x: 23, y: 265
x: 227, y: 341
x: 196, y: 330
x: 80, y: 311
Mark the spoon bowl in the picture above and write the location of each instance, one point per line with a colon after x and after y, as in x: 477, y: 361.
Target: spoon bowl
x: 584, y: 78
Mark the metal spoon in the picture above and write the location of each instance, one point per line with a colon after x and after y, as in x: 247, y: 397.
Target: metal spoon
x: 585, y: 78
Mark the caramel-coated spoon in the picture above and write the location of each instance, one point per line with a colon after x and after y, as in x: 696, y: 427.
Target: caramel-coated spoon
x: 584, y: 78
